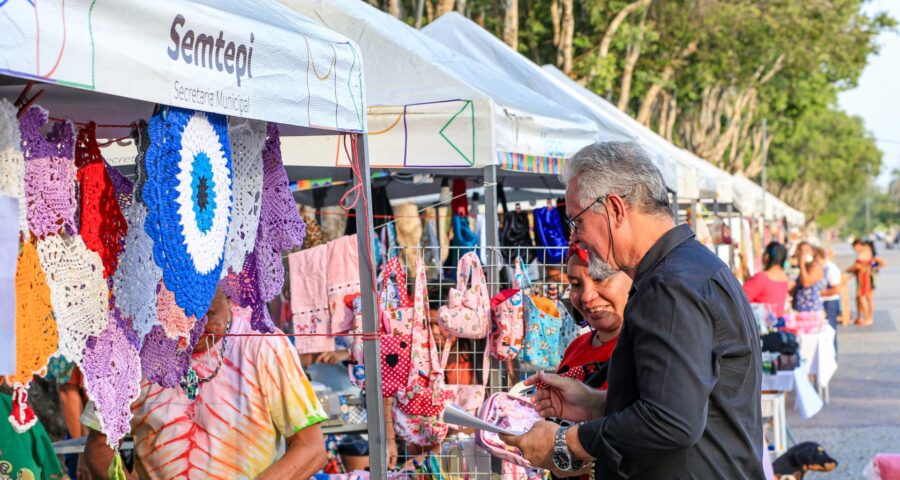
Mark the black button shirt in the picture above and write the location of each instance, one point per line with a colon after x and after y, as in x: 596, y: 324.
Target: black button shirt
x: 684, y: 380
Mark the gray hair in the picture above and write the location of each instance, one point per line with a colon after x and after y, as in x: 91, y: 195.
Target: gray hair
x: 621, y: 168
x: 599, y: 269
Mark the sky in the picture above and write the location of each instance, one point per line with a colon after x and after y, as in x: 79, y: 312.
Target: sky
x: 877, y: 97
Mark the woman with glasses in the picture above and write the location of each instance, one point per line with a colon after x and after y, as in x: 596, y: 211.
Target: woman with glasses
x: 600, y: 304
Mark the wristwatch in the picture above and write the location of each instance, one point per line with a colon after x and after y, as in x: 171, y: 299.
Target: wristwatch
x: 562, y: 457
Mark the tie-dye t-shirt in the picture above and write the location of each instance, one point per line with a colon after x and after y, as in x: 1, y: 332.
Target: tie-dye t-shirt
x: 234, y: 427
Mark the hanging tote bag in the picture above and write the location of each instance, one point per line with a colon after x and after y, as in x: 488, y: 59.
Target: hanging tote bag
x: 418, y: 409
x: 467, y: 313
x: 543, y: 325
x: 568, y: 330
x: 548, y: 232
x: 515, y: 231
x: 508, y: 326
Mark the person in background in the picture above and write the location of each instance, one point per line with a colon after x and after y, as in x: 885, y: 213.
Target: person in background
x: 770, y: 287
x: 831, y: 296
x: 256, y: 394
x: 876, y: 264
x: 600, y: 298
x: 26, y: 456
x: 810, y: 282
x: 864, y: 271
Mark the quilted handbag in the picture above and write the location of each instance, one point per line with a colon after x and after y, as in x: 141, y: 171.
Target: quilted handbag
x: 543, y: 325
x: 548, y: 232
x: 467, y: 313
x: 509, y: 412
x: 508, y: 329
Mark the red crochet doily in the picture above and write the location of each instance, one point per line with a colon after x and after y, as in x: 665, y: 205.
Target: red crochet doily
x: 103, y: 225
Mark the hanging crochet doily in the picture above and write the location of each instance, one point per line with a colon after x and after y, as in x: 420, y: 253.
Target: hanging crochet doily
x: 163, y: 360
x: 135, y: 281
x: 103, y: 226
x: 172, y: 318
x: 188, y: 198
x: 49, y: 173
x: 122, y: 186
x: 78, y: 292
x: 247, y: 140
x: 243, y: 289
x: 141, y: 137
x: 12, y: 164
x: 112, y: 377
x: 36, y: 338
x: 280, y: 225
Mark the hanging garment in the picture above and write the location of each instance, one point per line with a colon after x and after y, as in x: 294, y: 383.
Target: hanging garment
x: 431, y: 247
x: 464, y: 241
x: 308, y: 271
x: 515, y: 231
x: 409, y: 231
x: 314, y: 236
x: 342, y: 280
x: 548, y: 232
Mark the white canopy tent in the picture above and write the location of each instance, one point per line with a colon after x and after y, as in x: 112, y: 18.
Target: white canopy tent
x: 748, y: 196
x: 237, y: 57
x: 430, y: 107
x: 468, y: 38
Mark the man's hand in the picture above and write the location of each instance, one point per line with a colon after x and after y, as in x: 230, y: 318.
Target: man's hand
x: 566, y: 398
x: 537, y: 447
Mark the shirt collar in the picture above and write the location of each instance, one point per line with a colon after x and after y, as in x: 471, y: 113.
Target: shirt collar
x: 661, y: 249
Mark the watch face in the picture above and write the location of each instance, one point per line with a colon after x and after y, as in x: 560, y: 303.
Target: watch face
x: 561, y: 460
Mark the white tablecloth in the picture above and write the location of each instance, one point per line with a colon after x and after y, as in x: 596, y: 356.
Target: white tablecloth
x: 807, y: 401
x: 817, y: 353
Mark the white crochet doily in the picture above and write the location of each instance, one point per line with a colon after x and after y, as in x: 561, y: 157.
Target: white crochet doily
x: 204, y: 243
x: 12, y: 163
x: 134, y: 283
x: 247, y: 140
x: 78, y: 291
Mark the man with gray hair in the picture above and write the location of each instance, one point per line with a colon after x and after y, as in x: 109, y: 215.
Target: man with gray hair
x: 684, y: 380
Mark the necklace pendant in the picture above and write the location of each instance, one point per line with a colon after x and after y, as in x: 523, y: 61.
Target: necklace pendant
x: 190, y: 383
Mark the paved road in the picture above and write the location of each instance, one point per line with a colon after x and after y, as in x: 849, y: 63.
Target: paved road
x: 863, y: 417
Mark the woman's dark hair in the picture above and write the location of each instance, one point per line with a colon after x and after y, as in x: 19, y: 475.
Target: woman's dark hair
x: 871, y: 245
x: 777, y: 255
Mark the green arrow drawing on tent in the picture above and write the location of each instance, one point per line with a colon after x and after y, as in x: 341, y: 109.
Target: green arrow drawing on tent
x: 469, y: 159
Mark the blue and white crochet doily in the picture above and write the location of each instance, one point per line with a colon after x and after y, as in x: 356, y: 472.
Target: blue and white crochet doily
x: 188, y: 194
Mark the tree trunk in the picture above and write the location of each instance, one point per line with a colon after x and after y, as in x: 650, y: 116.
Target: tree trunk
x: 634, y: 53
x: 673, y: 115
x: 429, y: 11
x: 445, y: 6
x: 653, y: 92
x: 567, y: 36
x: 461, y: 6
x: 511, y: 24
x: 554, y: 21
x: 394, y: 8
x: 616, y: 23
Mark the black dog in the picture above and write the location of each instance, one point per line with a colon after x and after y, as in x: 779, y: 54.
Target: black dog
x: 801, y: 458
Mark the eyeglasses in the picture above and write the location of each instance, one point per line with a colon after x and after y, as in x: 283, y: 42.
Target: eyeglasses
x: 572, y: 221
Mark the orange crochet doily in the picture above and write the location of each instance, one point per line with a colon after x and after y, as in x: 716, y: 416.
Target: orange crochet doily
x: 36, y: 337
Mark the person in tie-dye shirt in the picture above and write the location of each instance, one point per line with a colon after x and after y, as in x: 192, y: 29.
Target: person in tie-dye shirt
x: 233, y: 429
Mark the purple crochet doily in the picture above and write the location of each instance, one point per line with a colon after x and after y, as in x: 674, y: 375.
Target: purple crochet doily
x: 243, y: 289
x: 122, y: 186
x: 162, y: 361
x: 49, y: 173
x: 112, y: 377
x: 280, y: 225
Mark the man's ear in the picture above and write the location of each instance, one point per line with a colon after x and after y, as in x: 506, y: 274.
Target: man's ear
x: 617, y: 209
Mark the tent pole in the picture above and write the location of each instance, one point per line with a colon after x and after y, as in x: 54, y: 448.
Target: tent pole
x: 371, y: 348
x: 492, y: 236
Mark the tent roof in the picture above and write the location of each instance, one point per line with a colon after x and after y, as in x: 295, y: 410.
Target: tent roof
x: 429, y: 88
x: 177, y: 53
x: 471, y: 40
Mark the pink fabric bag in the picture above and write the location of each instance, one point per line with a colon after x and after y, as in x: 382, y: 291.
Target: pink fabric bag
x: 418, y: 410
x: 309, y: 302
x: 508, y: 311
x: 467, y: 313
x: 342, y: 281
x: 509, y: 412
